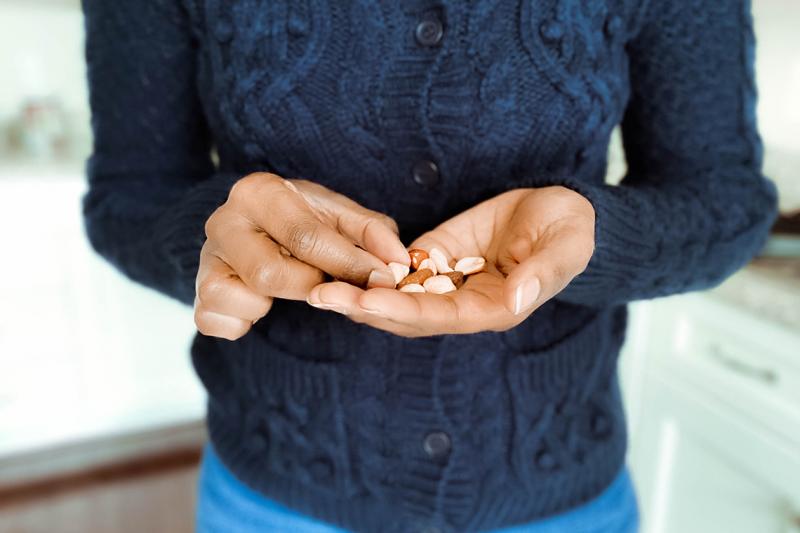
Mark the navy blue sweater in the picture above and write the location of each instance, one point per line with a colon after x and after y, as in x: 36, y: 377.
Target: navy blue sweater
x: 329, y: 417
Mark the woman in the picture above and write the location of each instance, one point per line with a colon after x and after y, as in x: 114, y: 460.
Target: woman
x: 347, y: 132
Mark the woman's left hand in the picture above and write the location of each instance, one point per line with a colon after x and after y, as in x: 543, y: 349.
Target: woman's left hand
x: 535, y: 242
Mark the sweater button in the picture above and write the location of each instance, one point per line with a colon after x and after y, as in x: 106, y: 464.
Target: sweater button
x: 297, y: 26
x: 426, y: 173
x: 436, y: 444
x: 321, y: 469
x: 545, y: 460
x: 252, y: 150
x: 429, y: 32
x: 257, y: 443
x: 223, y: 31
x: 612, y: 26
x: 600, y: 425
x: 551, y: 30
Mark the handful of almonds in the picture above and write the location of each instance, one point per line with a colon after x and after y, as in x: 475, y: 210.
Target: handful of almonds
x: 430, y: 272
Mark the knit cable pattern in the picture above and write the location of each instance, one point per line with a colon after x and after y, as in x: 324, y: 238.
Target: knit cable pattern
x: 327, y: 416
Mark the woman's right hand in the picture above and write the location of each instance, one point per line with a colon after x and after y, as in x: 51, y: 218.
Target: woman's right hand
x: 276, y: 238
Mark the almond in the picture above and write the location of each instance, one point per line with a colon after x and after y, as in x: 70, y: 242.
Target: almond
x: 429, y: 264
x: 440, y: 260
x: 439, y: 284
x: 417, y: 257
x: 470, y: 265
x: 399, y: 270
x: 417, y: 277
x: 412, y: 287
x: 456, y: 277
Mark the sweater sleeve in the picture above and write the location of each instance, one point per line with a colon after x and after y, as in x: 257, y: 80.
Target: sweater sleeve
x: 693, y: 206
x: 151, y: 181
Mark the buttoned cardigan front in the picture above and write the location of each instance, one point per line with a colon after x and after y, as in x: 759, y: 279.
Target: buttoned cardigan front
x: 421, y: 109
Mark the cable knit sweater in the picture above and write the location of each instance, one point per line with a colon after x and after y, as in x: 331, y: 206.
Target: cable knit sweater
x: 331, y: 417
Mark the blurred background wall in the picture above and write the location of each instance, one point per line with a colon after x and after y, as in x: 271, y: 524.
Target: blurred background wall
x: 113, y: 426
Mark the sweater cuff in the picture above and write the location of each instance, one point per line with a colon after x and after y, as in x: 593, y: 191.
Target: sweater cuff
x: 181, y: 230
x: 622, y: 245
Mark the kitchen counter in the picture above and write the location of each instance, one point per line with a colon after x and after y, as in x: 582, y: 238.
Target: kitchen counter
x: 94, y: 367
x: 769, y: 288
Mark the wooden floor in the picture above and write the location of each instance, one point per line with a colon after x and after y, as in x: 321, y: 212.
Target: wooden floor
x: 139, y: 501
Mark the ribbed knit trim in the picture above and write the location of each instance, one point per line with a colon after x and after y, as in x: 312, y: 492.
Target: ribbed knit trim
x: 329, y: 416
x: 283, y: 426
x: 633, y: 258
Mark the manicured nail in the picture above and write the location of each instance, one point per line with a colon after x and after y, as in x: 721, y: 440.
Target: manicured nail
x: 381, y: 277
x: 526, y: 295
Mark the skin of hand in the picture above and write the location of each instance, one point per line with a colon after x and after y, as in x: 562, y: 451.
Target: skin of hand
x: 535, y: 242
x: 277, y: 238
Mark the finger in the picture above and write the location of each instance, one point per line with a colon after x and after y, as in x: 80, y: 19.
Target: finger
x: 373, y: 231
x: 474, y: 307
x: 290, y: 221
x: 477, y: 306
x: 553, y: 261
x: 258, y: 261
x: 221, y: 291
x: 375, y: 235
x: 218, y: 325
x: 343, y: 298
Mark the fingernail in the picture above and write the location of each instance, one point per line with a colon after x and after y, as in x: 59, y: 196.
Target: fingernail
x: 328, y: 307
x: 381, y: 277
x: 313, y: 301
x: 526, y: 295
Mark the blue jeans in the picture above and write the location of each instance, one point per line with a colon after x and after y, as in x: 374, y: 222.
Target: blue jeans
x: 226, y: 505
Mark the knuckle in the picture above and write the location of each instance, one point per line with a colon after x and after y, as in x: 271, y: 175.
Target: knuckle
x: 241, y: 188
x: 302, y: 238
x: 244, y: 188
x: 263, y: 277
x: 268, y: 277
x: 219, y: 224
x: 350, y: 269
x: 209, y: 288
x: 212, y: 222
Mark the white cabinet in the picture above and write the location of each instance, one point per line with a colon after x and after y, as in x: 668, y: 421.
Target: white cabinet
x: 82, y: 348
x: 715, y: 440
x: 697, y: 469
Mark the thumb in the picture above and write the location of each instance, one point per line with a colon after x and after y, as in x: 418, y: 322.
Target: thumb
x: 546, y: 266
